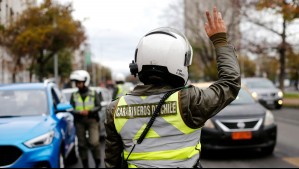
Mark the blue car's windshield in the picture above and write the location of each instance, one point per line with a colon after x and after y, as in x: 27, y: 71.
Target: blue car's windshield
x: 23, y: 102
x: 243, y: 98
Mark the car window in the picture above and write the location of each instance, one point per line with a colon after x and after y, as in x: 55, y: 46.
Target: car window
x: 243, y: 97
x: 255, y: 84
x: 59, y: 95
x: 23, y: 102
x: 55, y: 97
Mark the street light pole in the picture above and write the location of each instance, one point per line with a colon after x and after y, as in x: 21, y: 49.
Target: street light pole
x: 55, y: 56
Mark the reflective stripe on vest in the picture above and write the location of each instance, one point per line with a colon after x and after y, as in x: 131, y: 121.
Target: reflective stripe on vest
x: 87, y: 104
x: 169, y: 142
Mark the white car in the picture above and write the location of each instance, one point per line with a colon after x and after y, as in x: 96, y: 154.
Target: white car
x: 263, y: 90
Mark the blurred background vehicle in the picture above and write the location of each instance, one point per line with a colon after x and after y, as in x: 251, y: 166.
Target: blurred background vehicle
x: 244, y: 124
x: 68, y: 93
x: 265, y: 92
x: 36, y: 128
x: 106, y: 98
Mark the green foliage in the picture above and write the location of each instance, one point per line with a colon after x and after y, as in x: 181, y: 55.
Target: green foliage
x: 293, y: 65
x: 210, y: 72
x: 203, y: 62
x: 248, y: 67
x: 195, y: 71
x: 269, y: 66
x: 291, y: 95
x: 288, y: 9
x: 64, y: 62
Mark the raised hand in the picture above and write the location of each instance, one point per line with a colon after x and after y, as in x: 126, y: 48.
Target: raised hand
x: 215, y: 24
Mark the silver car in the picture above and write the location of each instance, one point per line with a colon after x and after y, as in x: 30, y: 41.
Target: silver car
x: 263, y: 90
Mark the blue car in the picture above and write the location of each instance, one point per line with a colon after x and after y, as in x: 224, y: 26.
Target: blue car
x: 36, y: 127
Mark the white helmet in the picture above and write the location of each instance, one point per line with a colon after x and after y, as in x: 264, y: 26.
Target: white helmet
x: 163, y: 52
x: 82, y: 76
x: 120, y: 77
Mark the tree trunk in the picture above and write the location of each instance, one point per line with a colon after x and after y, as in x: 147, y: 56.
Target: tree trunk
x: 41, y: 72
x: 30, y: 76
x: 282, y: 53
x: 15, y: 70
x: 31, y: 69
x: 13, y: 77
x: 297, y: 80
x: 40, y: 63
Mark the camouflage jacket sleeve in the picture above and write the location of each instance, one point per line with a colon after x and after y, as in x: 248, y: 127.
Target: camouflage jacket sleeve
x: 199, y: 105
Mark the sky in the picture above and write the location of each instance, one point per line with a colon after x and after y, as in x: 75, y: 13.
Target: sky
x: 114, y: 27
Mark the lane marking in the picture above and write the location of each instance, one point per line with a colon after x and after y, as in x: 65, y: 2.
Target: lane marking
x: 294, y: 161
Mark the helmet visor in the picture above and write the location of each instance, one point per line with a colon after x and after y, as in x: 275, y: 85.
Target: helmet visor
x: 189, y: 55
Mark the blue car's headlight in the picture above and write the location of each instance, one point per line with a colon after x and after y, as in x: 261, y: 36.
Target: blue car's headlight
x: 42, y: 140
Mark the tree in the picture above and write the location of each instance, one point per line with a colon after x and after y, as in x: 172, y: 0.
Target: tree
x: 288, y: 11
x: 248, y: 67
x: 64, y: 62
x: 268, y: 66
x: 293, y: 67
x: 193, y: 12
x: 40, y: 32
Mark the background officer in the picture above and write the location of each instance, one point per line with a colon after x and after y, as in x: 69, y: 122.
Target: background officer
x: 87, y: 105
x: 120, y: 89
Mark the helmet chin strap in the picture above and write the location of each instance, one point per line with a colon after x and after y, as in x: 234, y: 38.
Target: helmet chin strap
x: 186, y: 81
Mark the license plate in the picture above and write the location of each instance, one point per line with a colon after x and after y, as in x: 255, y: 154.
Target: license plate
x: 270, y: 102
x: 242, y: 135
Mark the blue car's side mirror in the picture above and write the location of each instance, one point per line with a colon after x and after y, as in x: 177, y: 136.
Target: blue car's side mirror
x: 64, y: 107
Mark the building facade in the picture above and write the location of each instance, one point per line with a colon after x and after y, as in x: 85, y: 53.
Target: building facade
x: 10, y: 10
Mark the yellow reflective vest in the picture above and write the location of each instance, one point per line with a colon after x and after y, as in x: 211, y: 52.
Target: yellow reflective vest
x: 122, y: 90
x: 169, y: 143
x: 87, y: 104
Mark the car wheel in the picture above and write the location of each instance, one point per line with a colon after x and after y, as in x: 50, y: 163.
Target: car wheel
x: 267, y: 150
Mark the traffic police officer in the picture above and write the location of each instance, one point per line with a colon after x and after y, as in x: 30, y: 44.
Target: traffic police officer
x: 86, y: 104
x: 158, y: 124
x: 120, y: 88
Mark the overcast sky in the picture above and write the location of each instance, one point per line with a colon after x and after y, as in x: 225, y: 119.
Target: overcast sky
x: 114, y: 27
